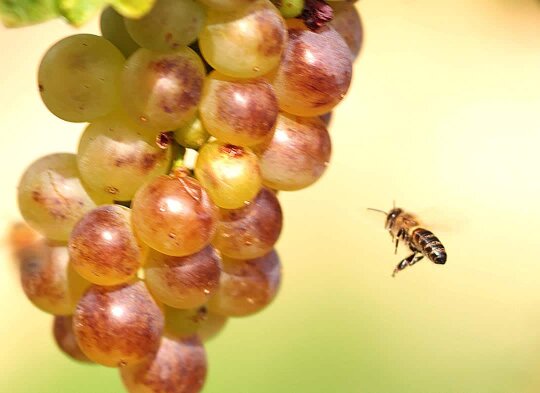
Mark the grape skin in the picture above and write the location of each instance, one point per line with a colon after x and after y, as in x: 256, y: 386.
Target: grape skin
x: 78, y: 77
x: 297, y: 155
x: 185, y: 323
x: 118, y: 325
x: 174, y: 215
x: 348, y: 24
x: 113, y: 28
x: 183, y: 282
x: 193, y: 135
x: 252, y: 231
x: 246, y: 286
x: 238, y: 111
x: 65, y: 338
x: 178, y: 367
x: 51, y: 196
x: 49, y: 280
x: 315, y: 71
x: 103, y: 247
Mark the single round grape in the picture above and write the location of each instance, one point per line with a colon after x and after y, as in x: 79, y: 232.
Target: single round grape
x: 174, y: 215
x: 170, y: 25
x: 291, y: 8
x: 230, y: 174
x: 246, y: 286
x: 245, y: 42
x: 185, y: 323
x: 103, y: 247
x: 113, y: 28
x: 315, y: 71
x: 193, y: 135
x: 49, y: 280
x: 183, y: 282
x: 162, y: 91
x: 51, y: 196
x: 118, y: 325
x: 297, y: 155
x: 178, y: 367
x: 79, y: 77
x: 65, y: 338
x: 252, y: 231
x: 226, y: 5
x: 116, y: 157
x: 241, y: 112
x: 348, y: 24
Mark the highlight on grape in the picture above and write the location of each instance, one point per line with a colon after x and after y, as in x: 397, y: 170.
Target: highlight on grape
x: 162, y: 227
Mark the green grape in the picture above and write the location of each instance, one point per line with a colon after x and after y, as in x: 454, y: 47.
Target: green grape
x: 226, y: 5
x: 49, y: 280
x: 183, y: 282
x: 241, y: 112
x: 174, y: 215
x: 297, y: 155
x: 245, y: 42
x: 315, y: 71
x: 193, y: 135
x: 291, y: 8
x: 118, y: 325
x: 113, y: 28
x: 51, y: 196
x: 230, y: 174
x: 116, y: 157
x: 246, y: 286
x: 79, y: 77
x: 178, y: 367
x: 185, y: 323
x: 252, y: 231
x: 103, y: 248
x: 162, y: 91
x: 170, y: 25
x: 348, y: 24
x: 65, y: 338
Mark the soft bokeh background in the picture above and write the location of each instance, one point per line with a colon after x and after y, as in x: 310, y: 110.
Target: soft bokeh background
x: 443, y: 117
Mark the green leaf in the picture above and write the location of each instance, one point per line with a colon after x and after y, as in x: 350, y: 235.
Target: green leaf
x: 17, y: 13
x: 132, y: 8
x: 78, y: 12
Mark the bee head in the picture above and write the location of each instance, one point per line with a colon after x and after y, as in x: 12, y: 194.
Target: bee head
x: 391, y: 217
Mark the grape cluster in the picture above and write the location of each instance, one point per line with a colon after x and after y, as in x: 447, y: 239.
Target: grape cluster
x: 163, y: 225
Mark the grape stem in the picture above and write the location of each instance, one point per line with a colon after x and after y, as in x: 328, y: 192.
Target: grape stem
x: 316, y: 14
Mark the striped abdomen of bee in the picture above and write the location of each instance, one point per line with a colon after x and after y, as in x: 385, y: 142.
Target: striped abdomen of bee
x: 425, y: 242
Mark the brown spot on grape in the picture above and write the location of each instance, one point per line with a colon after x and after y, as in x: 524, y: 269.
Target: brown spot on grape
x: 273, y: 32
x: 41, y: 88
x: 232, y: 150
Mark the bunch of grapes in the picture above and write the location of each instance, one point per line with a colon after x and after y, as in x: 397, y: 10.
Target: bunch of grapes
x: 163, y: 225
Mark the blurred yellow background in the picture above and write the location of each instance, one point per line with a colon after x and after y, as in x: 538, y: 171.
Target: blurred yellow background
x: 443, y: 117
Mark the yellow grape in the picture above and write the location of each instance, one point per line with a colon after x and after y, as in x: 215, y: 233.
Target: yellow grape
x: 51, y: 196
x: 113, y: 28
x: 185, y: 323
x: 65, y: 338
x: 193, y: 135
x: 183, y: 282
x: 79, y: 77
x: 245, y: 42
x: 49, y: 280
x: 118, y: 325
x: 178, y: 367
x: 315, y: 71
x: 238, y: 111
x: 103, y: 248
x: 230, y: 174
x: 174, y: 215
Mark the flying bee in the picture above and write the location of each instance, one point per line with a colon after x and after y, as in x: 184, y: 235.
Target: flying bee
x: 405, y: 227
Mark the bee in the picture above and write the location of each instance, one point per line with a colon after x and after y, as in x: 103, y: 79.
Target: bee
x: 405, y: 227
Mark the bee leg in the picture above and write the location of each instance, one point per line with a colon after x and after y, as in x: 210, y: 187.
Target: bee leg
x: 416, y: 259
x: 399, y: 234
x: 405, y: 262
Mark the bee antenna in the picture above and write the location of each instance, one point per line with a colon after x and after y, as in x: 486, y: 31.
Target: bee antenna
x: 377, y: 210
x: 393, y: 203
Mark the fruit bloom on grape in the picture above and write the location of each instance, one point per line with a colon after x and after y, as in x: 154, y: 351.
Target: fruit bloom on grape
x: 103, y: 247
x: 51, y: 196
x: 178, y: 367
x: 247, y: 286
x: 174, y: 215
x: 297, y: 155
x: 118, y: 325
x: 245, y: 42
x: 183, y: 282
x: 238, y: 111
x: 315, y: 71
